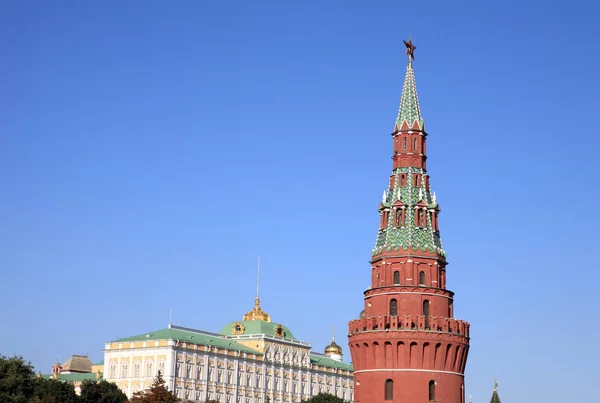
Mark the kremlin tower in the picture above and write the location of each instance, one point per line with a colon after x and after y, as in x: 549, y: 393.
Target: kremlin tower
x: 407, y: 346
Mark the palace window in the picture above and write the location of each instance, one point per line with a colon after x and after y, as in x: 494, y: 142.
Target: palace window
x: 188, y: 372
x: 161, y: 367
x: 396, y: 278
x: 422, y: 278
x: 136, y: 370
x: 178, y: 369
x: 124, y: 371
x: 432, y: 391
x: 393, y: 307
x: 112, y: 371
x: 148, y: 373
x: 389, y: 389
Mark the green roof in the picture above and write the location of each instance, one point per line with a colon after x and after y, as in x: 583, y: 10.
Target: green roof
x: 190, y: 336
x: 75, y: 377
x: 257, y: 327
x: 329, y: 362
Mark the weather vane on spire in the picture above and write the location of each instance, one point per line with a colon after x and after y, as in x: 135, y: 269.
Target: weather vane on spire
x: 410, y: 50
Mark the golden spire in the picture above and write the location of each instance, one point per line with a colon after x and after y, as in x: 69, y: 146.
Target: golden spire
x: 257, y: 313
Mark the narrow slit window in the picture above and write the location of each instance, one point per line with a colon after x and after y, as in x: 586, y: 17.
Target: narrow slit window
x: 432, y: 391
x: 389, y: 389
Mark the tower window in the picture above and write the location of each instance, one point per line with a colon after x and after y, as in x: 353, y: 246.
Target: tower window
x: 422, y: 219
x: 422, y: 278
x: 389, y: 389
x: 415, y: 144
x: 402, y: 180
x: 396, y: 278
x: 399, y: 221
x: 393, y: 307
x: 426, y: 313
x: 404, y: 143
x: 432, y: 391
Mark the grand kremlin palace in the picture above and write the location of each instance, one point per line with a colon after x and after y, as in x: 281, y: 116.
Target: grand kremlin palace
x: 250, y: 361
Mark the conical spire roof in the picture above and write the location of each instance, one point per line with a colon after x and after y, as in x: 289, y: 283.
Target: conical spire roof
x: 409, y: 110
x: 495, y: 398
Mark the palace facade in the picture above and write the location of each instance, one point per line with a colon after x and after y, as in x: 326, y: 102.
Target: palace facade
x: 249, y: 361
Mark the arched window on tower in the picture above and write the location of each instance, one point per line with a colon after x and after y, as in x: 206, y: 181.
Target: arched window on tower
x: 415, y: 144
x: 432, y: 391
x: 421, y: 278
x: 426, y: 313
x: 393, y: 307
x: 422, y: 219
x: 396, y: 278
x: 404, y: 143
x: 399, y: 221
x: 389, y: 389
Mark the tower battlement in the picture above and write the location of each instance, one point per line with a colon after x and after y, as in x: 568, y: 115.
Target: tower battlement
x: 409, y: 323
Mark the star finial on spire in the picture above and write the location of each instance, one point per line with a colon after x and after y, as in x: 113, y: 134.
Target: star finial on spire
x: 495, y: 384
x: 410, y: 50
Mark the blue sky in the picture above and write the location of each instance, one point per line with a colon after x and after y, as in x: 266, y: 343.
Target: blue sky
x: 150, y: 151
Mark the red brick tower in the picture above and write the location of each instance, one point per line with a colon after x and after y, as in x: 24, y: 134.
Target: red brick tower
x: 406, y: 346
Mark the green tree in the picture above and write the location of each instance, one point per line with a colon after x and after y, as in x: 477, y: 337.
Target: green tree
x: 323, y: 398
x: 101, y: 392
x: 16, y: 380
x: 158, y: 393
x: 51, y: 391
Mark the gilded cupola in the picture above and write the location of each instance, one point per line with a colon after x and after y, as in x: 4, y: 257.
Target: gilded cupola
x: 257, y: 313
x: 333, y: 350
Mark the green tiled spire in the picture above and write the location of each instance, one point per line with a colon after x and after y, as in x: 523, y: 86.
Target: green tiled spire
x: 409, y: 110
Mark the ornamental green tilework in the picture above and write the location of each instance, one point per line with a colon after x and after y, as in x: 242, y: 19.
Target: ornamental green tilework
x: 409, y: 102
x: 391, y: 237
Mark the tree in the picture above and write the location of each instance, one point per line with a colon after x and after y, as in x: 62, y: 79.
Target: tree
x: 324, y: 398
x: 158, y: 393
x: 52, y: 391
x: 16, y: 380
x: 101, y: 392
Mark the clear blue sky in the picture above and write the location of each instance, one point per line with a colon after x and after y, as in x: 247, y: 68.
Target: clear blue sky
x: 150, y: 151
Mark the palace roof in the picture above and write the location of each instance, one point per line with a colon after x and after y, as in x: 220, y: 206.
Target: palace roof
x: 190, y: 336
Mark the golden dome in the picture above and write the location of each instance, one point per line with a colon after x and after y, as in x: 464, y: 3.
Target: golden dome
x: 257, y: 313
x: 333, y: 348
